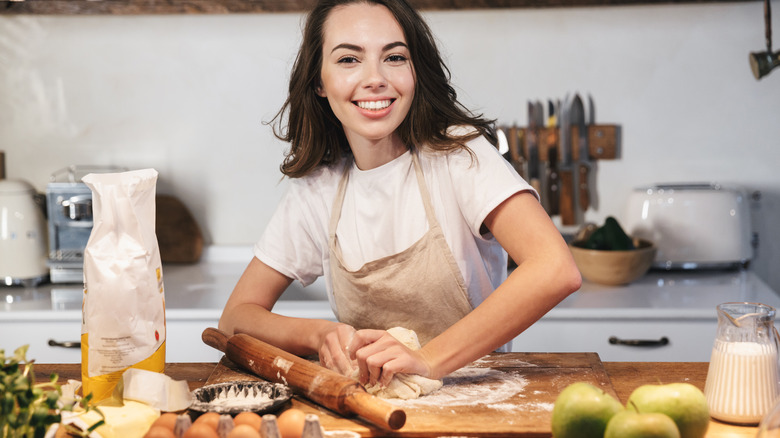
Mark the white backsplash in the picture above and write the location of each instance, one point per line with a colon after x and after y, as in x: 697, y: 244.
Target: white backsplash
x: 188, y: 95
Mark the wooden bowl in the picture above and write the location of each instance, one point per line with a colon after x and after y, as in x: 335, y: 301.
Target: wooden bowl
x: 614, y: 267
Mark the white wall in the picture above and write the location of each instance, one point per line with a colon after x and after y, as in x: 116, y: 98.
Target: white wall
x: 187, y: 95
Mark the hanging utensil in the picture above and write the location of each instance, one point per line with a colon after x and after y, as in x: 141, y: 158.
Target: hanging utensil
x: 763, y: 62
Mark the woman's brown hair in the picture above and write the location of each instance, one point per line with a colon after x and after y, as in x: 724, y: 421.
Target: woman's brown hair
x: 315, y: 134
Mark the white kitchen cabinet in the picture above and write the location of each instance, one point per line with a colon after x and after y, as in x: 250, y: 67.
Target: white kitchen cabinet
x: 678, y: 306
x: 687, y: 340
x: 183, y: 341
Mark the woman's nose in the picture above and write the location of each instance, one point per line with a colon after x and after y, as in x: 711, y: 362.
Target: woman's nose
x: 374, y: 77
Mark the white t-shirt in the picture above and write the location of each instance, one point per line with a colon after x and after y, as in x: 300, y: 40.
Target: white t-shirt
x: 383, y: 214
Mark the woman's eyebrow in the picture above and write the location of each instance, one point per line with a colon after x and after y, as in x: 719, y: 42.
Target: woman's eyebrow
x: 357, y: 48
x: 394, y: 45
x: 347, y: 46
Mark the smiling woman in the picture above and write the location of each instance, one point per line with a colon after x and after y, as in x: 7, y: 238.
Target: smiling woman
x: 368, y: 80
x: 393, y: 200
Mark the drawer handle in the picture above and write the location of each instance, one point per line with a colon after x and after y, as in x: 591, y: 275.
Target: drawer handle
x: 614, y: 340
x: 66, y: 344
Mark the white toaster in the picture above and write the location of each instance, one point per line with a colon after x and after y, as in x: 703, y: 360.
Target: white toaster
x: 693, y: 225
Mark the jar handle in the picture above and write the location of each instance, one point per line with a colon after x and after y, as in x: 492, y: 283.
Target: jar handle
x: 777, y: 347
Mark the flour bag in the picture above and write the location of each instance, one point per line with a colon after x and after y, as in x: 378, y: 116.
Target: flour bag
x: 123, y: 313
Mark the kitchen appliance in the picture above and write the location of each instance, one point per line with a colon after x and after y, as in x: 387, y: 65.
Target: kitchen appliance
x: 69, y: 207
x: 22, y: 235
x: 694, y: 226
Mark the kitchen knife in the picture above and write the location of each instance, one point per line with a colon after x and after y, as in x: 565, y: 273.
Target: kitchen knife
x: 515, y: 140
x: 320, y: 385
x: 579, y: 144
x: 584, y: 167
x: 532, y: 150
x: 566, y: 186
x: 547, y: 140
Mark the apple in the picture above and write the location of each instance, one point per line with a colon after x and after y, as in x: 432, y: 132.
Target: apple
x: 682, y: 402
x: 632, y: 424
x: 582, y: 410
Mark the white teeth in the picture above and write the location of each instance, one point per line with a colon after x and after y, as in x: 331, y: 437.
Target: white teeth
x: 374, y: 104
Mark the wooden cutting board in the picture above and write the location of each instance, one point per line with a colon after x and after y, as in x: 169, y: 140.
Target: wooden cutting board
x: 501, y: 394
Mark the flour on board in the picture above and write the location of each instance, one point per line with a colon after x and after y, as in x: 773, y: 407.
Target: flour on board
x: 471, y: 386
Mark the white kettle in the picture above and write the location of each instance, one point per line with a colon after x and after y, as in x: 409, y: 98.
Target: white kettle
x: 23, y: 239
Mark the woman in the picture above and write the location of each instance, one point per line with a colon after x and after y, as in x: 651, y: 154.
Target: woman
x: 400, y: 199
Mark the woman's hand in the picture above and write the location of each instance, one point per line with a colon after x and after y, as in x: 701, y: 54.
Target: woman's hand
x: 334, y: 348
x: 380, y: 357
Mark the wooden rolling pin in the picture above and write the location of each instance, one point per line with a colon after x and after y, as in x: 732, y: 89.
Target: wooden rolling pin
x: 320, y: 385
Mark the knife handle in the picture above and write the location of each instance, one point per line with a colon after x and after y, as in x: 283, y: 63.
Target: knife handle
x: 566, y: 206
x: 583, y: 173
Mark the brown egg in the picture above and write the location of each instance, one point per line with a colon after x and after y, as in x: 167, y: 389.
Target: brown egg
x: 249, y: 418
x: 200, y: 430
x: 210, y: 418
x: 159, y: 432
x: 167, y: 419
x: 291, y: 422
x: 244, y: 431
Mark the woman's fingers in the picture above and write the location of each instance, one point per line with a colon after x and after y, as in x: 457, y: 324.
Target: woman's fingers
x: 380, y: 356
x: 334, y: 348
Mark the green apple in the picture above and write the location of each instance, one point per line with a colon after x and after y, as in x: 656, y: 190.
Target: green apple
x: 632, y: 424
x: 582, y: 410
x: 682, y: 402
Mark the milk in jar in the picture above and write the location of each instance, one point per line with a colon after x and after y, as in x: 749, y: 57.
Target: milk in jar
x: 743, y: 382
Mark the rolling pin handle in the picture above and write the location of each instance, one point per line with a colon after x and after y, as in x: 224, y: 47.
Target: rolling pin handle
x: 215, y: 338
x: 376, y: 410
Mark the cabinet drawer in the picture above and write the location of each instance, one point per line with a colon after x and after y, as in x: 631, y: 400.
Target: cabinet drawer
x: 687, y: 340
x: 37, y: 334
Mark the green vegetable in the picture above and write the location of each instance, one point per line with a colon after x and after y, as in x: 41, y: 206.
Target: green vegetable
x: 27, y: 408
x: 609, y: 237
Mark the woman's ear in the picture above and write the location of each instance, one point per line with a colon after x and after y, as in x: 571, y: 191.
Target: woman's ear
x: 319, y: 90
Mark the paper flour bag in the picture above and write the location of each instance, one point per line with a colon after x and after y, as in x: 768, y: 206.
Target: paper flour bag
x: 123, y: 313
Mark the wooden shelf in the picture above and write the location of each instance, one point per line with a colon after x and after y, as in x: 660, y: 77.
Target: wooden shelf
x: 139, y: 7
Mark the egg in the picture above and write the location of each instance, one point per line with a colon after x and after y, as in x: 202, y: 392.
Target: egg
x: 200, y: 430
x: 249, y: 418
x: 157, y: 431
x: 168, y: 419
x: 244, y: 431
x: 291, y: 422
x: 209, y: 418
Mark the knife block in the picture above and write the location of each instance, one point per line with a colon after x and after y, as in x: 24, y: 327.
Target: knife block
x: 564, y: 178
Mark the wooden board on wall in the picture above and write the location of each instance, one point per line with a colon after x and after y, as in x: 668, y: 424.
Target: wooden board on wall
x: 136, y: 7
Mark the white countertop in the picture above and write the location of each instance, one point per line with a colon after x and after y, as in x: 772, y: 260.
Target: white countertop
x: 196, y: 291
x: 201, y: 290
x: 195, y: 295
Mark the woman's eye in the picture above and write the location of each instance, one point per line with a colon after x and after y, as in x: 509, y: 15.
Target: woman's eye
x: 397, y: 58
x: 347, y: 60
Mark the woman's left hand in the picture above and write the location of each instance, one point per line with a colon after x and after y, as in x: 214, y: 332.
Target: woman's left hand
x: 380, y: 356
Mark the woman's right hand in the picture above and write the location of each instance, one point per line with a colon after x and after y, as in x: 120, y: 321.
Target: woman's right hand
x: 334, y: 349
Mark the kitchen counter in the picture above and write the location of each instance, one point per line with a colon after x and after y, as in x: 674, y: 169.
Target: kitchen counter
x: 195, y: 295
x: 625, y: 377
x: 660, y: 304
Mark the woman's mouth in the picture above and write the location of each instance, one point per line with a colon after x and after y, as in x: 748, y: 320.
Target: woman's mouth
x: 374, y: 105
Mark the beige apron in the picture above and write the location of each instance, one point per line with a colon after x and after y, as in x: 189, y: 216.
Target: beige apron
x: 420, y: 288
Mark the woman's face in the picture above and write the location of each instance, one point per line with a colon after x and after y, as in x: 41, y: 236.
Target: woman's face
x: 367, y: 74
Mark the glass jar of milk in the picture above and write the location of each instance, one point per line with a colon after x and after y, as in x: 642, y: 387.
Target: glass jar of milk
x: 742, y: 380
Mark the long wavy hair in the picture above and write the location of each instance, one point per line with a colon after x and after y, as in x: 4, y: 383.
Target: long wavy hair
x: 316, y: 136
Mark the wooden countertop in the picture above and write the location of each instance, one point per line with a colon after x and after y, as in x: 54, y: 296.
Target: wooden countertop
x: 625, y: 377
